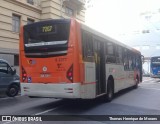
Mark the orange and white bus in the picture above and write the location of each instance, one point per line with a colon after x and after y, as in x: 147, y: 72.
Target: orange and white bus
x: 63, y: 58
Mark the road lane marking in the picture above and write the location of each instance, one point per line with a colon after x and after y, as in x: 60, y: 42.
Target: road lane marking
x: 8, y: 122
x: 150, y: 88
x: 147, y: 80
x: 151, y: 81
x: 49, y: 110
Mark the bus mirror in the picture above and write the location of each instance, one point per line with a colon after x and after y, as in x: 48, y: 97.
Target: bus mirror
x: 142, y: 58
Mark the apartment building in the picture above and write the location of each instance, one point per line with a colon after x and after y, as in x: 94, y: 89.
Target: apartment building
x: 14, y: 13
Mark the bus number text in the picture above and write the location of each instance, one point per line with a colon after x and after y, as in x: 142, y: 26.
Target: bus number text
x: 47, y: 29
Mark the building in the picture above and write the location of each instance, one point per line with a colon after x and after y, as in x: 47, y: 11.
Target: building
x: 14, y: 13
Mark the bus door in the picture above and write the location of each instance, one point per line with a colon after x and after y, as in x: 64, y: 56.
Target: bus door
x: 98, y: 48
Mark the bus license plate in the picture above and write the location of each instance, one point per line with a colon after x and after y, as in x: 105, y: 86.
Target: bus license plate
x: 45, y: 75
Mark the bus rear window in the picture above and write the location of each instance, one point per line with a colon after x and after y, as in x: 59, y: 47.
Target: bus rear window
x: 45, y: 36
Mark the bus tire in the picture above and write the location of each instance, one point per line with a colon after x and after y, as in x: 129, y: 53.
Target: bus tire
x: 110, y: 91
x: 136, y: 82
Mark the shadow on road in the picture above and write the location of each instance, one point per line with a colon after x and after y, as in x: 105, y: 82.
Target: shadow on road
x: 125, y: 91
x: 62, y: 106
x: 77, y: 106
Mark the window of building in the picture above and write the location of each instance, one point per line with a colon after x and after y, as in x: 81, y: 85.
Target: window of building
x: 30, y: 21
x: 30, y: 2
x: 69, y: 11
x: 16, y: 60
x: 15, y: 23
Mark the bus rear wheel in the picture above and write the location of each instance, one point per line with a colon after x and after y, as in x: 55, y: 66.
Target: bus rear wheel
x: 110, y: 91
x: 136, y: 82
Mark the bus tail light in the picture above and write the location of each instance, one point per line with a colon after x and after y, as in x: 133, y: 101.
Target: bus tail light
x: 70, y: 73
x: 24, y: 74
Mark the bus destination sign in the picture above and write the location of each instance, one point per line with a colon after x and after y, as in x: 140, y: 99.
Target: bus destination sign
x: 48, y: 29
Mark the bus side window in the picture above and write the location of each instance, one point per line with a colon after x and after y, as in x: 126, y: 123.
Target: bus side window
x: 137, y: 63
x: 87, y: 47
x: 131, y: 59
x: 133, y: 62
x: 119, y: 55
x: 126, y: 62
x: 110, y: 53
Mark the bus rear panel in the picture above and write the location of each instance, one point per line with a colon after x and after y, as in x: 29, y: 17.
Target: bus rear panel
x: 48, y: 65
x: 66, y: 59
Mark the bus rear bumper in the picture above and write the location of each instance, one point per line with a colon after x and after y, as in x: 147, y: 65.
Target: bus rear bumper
x: 61, y: 90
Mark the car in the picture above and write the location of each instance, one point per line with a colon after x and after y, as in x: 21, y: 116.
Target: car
x: 9, y: 79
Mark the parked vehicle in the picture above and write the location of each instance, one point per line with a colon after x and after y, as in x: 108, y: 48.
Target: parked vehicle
x: 9, y: 80
x: 155, y: 67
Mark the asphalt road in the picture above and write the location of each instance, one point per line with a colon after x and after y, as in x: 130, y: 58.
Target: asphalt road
x: 141, y: 101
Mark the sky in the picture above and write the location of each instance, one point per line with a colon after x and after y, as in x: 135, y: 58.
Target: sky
x: 120, y: 18
x: 113, y: 17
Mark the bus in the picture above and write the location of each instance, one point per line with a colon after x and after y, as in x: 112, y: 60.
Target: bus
x: 155, y: 67
x: 63, y: 58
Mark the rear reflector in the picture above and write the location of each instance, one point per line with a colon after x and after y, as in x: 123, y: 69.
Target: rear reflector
x: 70, y: 73
x: 24, y: 74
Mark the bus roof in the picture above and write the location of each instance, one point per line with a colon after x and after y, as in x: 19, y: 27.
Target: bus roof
x: 48, y: 21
